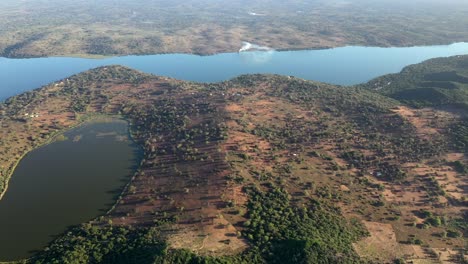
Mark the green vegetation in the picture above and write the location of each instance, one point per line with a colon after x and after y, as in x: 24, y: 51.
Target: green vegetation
x: 437, y: 82
x: 285, y: 233
x: 92, y: 244
x: 459, y: 136
x: 460, y: 167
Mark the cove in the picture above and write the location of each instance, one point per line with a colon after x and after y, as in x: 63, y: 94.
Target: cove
x: 65, y: 183
x: 343, y: 66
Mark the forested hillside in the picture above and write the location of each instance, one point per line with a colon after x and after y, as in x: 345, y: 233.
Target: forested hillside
x: 437, y: 82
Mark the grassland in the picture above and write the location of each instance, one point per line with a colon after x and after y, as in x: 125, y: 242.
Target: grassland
x: 88, y: 28
x: 262, y: 169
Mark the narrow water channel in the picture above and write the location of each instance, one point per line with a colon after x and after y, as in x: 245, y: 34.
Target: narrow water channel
x: 65, y: 183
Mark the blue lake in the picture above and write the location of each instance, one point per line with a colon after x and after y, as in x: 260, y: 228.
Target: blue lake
x: 344, y: 66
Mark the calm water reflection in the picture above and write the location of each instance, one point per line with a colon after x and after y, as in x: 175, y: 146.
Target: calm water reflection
x: 344, y: 66
x: 65, y: 183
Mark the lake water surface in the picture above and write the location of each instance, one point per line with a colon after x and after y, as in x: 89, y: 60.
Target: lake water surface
x: 65, y: 183
x: 69, y: 182
x: 344, y: 66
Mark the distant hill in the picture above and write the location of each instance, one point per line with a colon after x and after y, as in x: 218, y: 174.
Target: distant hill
x: 32, y: 28
x: 265, y: 168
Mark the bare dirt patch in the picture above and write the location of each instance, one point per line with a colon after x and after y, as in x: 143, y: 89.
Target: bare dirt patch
x: 427, y: 121
x: 447, y: 255
x: 220, y: 238
x: 382, y: 246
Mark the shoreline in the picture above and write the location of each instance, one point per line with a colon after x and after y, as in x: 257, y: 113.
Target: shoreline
x: 51, y: 140
x: 47, y: 142
x: 132, y: 177
x: 221, y: 51
x: 82, y: 121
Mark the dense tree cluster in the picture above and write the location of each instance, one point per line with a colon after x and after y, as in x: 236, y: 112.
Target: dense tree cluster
x: 285, y: 233
x: 92, y: 244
